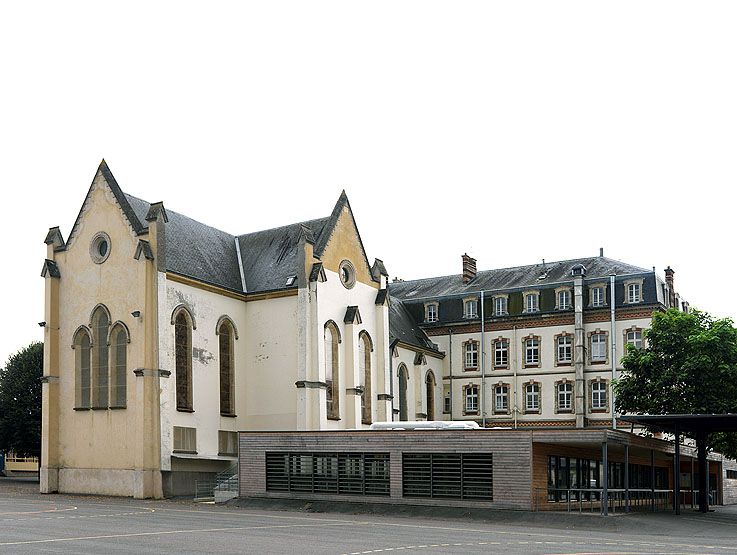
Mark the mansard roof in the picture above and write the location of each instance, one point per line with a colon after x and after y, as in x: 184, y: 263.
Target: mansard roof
x: 404, y: 328
x: 518, y: 277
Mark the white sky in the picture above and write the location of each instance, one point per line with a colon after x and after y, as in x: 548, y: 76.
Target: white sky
x: 513, y: 131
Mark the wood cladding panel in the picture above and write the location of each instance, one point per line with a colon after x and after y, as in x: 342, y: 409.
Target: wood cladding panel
x: 511, y: 455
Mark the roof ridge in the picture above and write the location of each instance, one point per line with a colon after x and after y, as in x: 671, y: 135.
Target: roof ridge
x: 570, y: 260
x: 282, y: 226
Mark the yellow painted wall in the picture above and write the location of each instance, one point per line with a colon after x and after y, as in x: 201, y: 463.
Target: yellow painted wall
x: 99, y: 438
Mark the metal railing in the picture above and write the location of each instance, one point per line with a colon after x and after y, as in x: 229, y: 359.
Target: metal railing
x: 591, y: 499
x: 204, y: 490
x: 223, y: 484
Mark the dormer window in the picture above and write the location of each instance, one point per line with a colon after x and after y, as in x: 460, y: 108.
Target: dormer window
x: 431, y: 312
x: 596, y: 296
x: 470, y: 309
x: 532, y: 301
x: 634, y: 292
x: 500, y: 306
x: 563, y: 299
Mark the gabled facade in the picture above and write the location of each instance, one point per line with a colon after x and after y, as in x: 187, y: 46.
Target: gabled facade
x: 165, y: 336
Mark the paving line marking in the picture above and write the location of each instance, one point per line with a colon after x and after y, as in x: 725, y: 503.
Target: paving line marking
x: 146, y: 512
x: 593, y: 543
x: 172, y: 532
x: 54, y: 510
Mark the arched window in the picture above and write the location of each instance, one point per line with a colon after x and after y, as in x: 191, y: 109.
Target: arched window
x: 332, y: 377
x: 119, y: 344
x: 183, y: 359
x: 364, y: 361
x: 227, y: 374
x: 403, y: 379
x: 100, y: 358
x: 430, y: 394
x: 82, y: 387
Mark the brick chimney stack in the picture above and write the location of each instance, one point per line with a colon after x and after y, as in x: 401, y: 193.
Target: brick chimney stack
x: 671, y: 288
x: 469, y: 268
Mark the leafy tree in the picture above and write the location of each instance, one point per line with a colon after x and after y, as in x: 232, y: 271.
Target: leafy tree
x: 688, y: 367
x: 20, y: 402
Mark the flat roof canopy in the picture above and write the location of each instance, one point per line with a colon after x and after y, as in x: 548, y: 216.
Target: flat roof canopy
x: 685, y: 422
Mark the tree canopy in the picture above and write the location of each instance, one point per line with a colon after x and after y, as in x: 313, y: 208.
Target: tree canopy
x: 688, y: 366
x: 20, y: 402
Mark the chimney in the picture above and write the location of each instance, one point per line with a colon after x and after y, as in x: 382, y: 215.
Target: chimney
x: 601, y: 251
x: 671, y: 288
x: 469, y: 268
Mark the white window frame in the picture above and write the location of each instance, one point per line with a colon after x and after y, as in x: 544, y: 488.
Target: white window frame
x: 471, y: 355
x: 532, y: 351
x: 431, y: 312
x: 563, y: 299
x: 599, y: 395
x: 568, y: 348
x: 470, y: 308
x: 471, y: 402
x: 633, y: 292
x: 564, y: 391
x: 532, y: 397
x: 598, y: 346
x: 635, y: 342
x: 501, y: 305
x: 598, y: 298
x: 501, y: 398
x: 532, y: 302
x: 501, y: 350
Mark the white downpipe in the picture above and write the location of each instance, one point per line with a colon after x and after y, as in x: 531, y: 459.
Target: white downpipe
x: 514, y: 366
x: 613, y: 343
x: 483, y: 366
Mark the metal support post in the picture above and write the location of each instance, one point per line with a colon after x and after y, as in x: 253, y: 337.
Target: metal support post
x: 605, y: 479
x: 626, y: 478
x: 652, y: 477
x: 677, y: 474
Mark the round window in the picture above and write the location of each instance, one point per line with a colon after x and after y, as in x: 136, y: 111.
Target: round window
x: 100, y: 247
x: 347, y: 274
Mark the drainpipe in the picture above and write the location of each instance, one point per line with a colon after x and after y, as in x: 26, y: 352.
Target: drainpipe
x: 450, y: 368
x: 578, y: 361
x: 483, y: 366
x: 391, y: 375
x: 514, y: 367
x: 613, y: 341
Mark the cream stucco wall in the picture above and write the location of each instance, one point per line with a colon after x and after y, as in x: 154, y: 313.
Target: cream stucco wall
x: 416, y: 388
x: 333, y: 299
x: 547, y: 374
x: 265, y: 357
x: 90, y: 440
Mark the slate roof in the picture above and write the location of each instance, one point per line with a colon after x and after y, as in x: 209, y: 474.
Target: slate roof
x: 511, y: 278
x: 271, y: 256
x: 205, y: 253
x: 402, y: 327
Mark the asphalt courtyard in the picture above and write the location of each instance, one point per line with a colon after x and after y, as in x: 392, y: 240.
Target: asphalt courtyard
x: 34, y: 523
